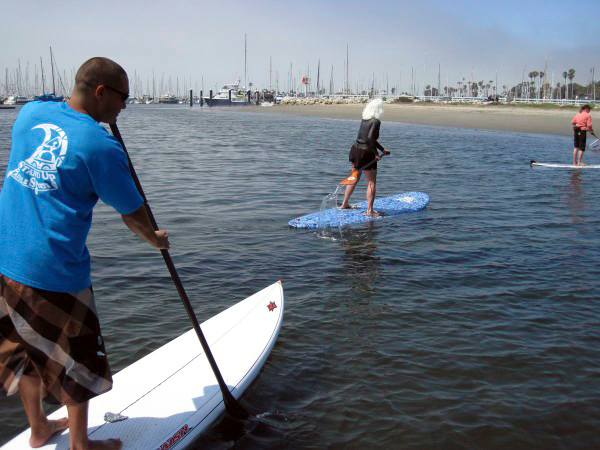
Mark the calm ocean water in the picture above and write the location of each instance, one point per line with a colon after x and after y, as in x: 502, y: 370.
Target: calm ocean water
x: 471, y: 324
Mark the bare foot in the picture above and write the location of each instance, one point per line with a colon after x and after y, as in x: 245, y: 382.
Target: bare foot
x: 346, y: 207
x: 107, y: 444
x: 374, y: 214
x: 40, y: 436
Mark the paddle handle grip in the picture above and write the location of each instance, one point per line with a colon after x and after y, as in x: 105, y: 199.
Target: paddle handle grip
x: 372, y: 162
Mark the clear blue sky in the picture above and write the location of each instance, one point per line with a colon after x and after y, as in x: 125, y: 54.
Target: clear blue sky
x: 386, y: 39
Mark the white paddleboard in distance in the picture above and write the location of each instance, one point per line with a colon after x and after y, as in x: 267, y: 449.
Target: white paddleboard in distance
x: 564, y: 166
x: 171, y: 395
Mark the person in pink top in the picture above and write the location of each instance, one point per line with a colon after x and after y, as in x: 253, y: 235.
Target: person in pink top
x: 582, y: 122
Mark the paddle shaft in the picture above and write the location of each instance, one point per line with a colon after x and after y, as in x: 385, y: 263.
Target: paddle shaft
x: 361, y: 169
x: 371, y: 163
x: 233, y: 407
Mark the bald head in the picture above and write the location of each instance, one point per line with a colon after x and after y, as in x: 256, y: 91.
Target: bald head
x: 101, y: 89
x: 97, y: 71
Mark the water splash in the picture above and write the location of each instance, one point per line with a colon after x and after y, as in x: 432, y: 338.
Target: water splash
x: 331, y: 200
x: 326, y: 231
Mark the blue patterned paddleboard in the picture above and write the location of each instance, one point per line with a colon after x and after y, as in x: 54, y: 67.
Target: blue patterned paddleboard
x: 388, y: 206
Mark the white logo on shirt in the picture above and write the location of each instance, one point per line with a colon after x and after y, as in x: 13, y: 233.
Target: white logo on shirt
x: 38, y: 172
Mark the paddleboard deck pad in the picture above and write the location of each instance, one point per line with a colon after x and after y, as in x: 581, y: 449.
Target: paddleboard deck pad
x: 564, y: 166
x: 387, y: 206
x: 167, y: 398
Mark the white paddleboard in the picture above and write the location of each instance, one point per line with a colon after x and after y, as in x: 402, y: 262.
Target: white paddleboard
x: 564, y: 166
x: 171, y: 395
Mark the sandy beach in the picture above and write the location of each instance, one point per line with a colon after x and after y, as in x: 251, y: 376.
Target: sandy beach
x: 491, y: 117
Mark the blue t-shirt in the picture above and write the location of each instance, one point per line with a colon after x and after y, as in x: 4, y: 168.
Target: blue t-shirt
x: 61, y: 162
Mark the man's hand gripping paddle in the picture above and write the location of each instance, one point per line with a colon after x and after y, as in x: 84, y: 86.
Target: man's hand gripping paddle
x: 232, y: 406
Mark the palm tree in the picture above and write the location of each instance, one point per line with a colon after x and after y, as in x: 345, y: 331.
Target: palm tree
x: 473, y: 89
x: 565, y: 75
x: 570, y: 76
x: 541, y: 75
x: 530, y: 75
x: 534, y: 75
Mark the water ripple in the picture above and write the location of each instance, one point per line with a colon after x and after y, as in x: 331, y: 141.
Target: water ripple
x: 471, y: 324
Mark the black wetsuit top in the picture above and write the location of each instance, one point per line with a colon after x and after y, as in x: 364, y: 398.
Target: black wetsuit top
x: 368, y: 133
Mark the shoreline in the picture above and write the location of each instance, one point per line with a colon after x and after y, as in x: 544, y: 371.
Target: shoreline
x: 488, y: 117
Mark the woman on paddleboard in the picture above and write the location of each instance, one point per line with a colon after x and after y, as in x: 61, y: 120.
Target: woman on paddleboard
x: 582, y: 122
x: 364, y: 154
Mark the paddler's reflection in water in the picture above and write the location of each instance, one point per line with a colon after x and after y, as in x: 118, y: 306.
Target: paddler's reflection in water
x: 361, y: 263
x: 575, y: 197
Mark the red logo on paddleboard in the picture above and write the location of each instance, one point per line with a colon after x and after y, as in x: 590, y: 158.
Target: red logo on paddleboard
x: 177, y: 436
x: 271, y: 306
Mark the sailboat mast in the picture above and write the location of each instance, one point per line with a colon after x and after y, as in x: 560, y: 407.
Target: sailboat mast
x: 545, y: 75
x: 43, y: 85
x: 318, y: 78
x: 52, y: 67
x: 245, y: 61
x: 331, y: 82
x: 347, y: 71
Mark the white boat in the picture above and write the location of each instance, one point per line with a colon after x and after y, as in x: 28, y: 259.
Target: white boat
x: 17, y: 100
x: 229, y: 95
x: 168, y: 99
x: 268, y: 98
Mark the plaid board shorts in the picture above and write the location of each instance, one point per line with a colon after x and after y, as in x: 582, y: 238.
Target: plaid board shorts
x: 56, y: 336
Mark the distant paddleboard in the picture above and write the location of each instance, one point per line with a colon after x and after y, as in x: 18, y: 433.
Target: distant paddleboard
x: 170, y: 396
x: 388, y: 206
x: 564, y: 166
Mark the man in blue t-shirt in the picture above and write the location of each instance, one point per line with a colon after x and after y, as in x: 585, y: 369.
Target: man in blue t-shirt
x: 61, y: 162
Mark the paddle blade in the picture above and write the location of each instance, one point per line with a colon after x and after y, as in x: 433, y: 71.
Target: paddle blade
x: 234, y: 408
x: 350, y: 179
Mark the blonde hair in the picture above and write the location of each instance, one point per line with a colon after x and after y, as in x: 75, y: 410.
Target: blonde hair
x: 374, y: 109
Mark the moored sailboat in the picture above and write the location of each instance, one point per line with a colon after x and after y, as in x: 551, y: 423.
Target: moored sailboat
x: 47, y: 97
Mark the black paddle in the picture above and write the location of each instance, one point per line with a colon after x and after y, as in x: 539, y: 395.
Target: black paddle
x: 232, y: 406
